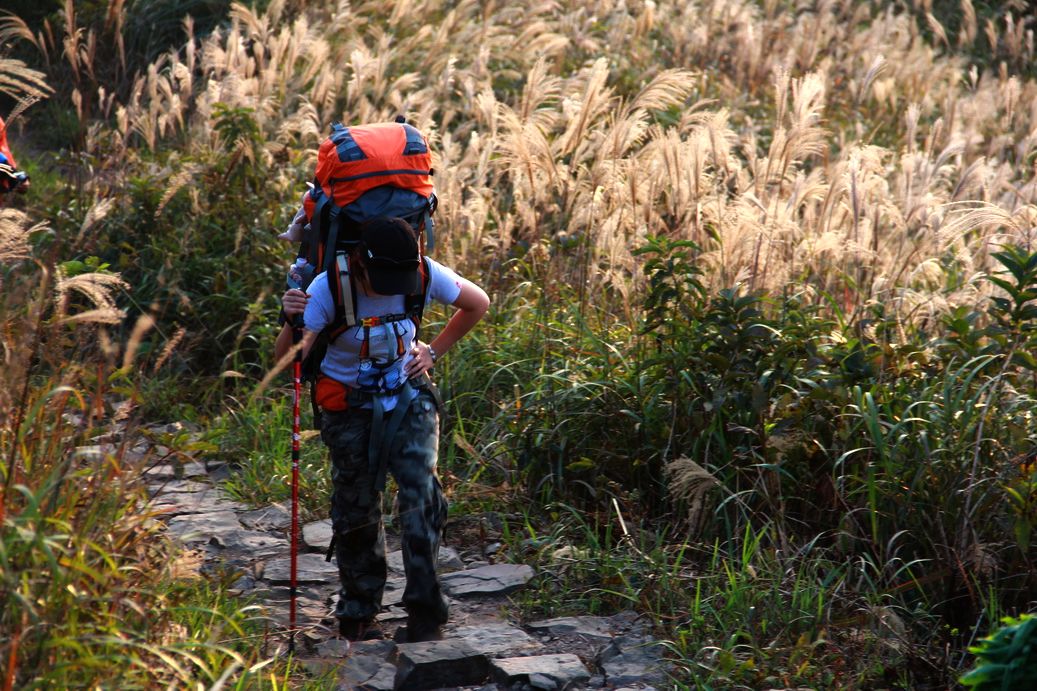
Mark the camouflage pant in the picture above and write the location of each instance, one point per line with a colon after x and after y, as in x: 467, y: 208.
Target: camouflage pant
x: 356, y: 510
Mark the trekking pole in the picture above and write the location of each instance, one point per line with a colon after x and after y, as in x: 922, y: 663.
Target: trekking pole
x: 295, y: 280
x: 297, y: 383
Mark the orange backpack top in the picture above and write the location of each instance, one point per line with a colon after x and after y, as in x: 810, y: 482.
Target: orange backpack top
x: 364, y: 171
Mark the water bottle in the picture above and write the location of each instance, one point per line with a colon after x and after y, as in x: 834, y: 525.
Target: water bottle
x: 300, y: 274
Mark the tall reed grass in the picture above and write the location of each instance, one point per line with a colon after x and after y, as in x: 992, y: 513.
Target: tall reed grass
x: 762, y: 275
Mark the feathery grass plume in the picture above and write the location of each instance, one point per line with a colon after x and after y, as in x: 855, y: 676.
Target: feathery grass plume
x: 168, y: 349
x: 969, y: 25
x: 302, y: 126
x: 584, y: 111
x: 98, y: 289
x: 524, y: 147
x: 17, y: 80
x: 690, y: 484
x: 14, y: 236
x: 541, y: 88
x: 187, y: 175
x: 937, y: 28
x: 94, y: 215
x: 141, y: 327
x: 13, y: 28
x: 878, y: 66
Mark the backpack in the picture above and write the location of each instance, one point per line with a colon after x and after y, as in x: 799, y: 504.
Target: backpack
x: 362, y: 172
x: 366, y: 171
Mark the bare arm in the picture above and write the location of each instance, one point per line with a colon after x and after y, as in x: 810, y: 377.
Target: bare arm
x: 471, y: 303
x: 294, y: 302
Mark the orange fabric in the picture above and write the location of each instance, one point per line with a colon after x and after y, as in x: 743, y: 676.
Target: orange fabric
x: 331, y: 394
x: 4, y: 148
x: 383, y: 144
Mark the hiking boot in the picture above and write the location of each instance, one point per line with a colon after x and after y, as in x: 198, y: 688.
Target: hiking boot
x: 356, y: 630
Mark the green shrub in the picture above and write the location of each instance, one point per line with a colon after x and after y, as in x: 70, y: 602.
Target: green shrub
x: 1006, y: 659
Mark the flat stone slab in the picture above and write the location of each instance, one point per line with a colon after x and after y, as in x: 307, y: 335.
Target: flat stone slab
x: 174, y: 471
x: 439, y: 664
x: 555, y: 671
x: 310, y: 568
x: 449, y: 559
x: 586, y: 627
x: 632, y: 660
x: 195, y: 502
x: 273, y: 517
x: 334, y: 647
x: 392, y: 596
x: 172, y: 427
x: 252, y: 544
x: 496, y: 638
x: 176, y: 486
x: 95, y: 452
x: 203, y: 527
x: 495, y: 579
x: 367, y: 672
x: 317, y: 534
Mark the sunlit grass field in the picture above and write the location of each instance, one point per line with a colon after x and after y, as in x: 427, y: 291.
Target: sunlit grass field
x: 761, y: 362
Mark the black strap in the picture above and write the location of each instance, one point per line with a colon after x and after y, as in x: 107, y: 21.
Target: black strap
x: 331, y: 546
x: 332, y: 243
x: 382, y: 434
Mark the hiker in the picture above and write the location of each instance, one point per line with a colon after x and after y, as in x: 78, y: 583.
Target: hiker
x: 380, y: 412
x: 11, y: 179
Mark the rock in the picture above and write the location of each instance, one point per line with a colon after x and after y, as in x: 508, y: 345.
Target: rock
x: 367, y: 672
x: 632, y: 660
x: 310, y: 568
x: 392, y: 596
x: 586, y: 627
x: 195, y: 502
x: 384, y: 648
x: 438, y: 664
x: 393, y: 614
x: 560, y: 671
x: 542, y: 681
x: 176, y: 486
x: 496, y: 638
x: 183, y: 426
x: 496, y: 579
x: 334, y: 647
x: 251, y: 544
x: 273, y: 517
x: 243, y: 583
x: 174, y: 471
x: 95, y: 452
x: 203, y: 527
x: 448, y: 560
x: 317, y: 534
x: 317, y: 667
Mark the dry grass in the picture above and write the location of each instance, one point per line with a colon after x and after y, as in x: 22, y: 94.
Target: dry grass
x: 849, y: 154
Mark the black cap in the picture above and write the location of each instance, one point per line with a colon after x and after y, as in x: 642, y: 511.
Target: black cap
x: 389, y: 248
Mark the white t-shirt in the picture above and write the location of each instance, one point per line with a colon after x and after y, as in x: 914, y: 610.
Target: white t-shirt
x: 371, y: 359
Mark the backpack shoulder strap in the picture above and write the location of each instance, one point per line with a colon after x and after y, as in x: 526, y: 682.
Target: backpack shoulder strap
x: 414, y: 305
x: 343, y: 297
x: 343, y: 293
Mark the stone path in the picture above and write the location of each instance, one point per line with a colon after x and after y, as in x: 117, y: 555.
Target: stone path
x: 481, y: 648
